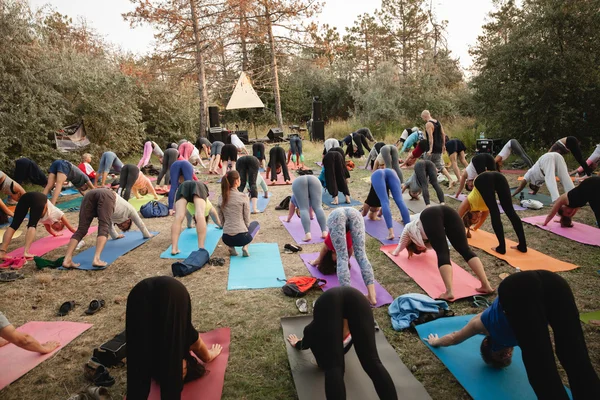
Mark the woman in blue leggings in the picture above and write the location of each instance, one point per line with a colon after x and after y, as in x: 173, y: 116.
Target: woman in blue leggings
x: 384, y: 180
x: 306, y: 195
x: 346, y: 237
x: 180, y: 171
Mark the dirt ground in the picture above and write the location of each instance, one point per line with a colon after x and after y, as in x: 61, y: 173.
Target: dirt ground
x: 258, y: 366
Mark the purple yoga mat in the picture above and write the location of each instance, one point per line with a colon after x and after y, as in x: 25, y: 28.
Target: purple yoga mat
x: 383, y: 297
x: 462, y: 197
x: 294, y: 227
x: 579, y: 232
x: 379, y: 231
x: 319, y: 163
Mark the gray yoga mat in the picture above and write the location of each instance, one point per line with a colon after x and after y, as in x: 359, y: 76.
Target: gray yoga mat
x: 310, y: 381
x: 415, y: 206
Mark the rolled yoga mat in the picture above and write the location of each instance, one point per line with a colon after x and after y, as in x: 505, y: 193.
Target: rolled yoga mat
x: 462, y: 197
x: 48, y: 243
x: 309, y: 379
x: 295, y: 229
x: 188, y: 242
x: 327, y: 199
x: 263, y: 269
x: 581, y: 233
x: 379, y: 230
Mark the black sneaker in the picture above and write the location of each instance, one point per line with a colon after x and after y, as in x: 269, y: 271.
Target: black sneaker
x: 292, y: 247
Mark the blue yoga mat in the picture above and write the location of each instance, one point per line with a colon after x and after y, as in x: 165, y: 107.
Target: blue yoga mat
x: 262, y: 203
x: 258, y: 271
x: 327, y: 199
x: 465, y: 363
x: 188, y: 242
x: 112, y: 251
x: 70, y: 204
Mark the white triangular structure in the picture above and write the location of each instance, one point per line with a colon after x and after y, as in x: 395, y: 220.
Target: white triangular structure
x: 244, y: 95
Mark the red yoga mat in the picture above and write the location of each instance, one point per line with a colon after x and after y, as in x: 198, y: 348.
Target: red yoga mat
x: 210, y: 386
x: 47, y: 244
x: 279, y: 181
x: 424, y: 271
x: 16, y: 362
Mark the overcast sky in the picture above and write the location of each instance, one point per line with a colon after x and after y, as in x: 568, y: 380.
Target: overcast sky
x: 465, y: 18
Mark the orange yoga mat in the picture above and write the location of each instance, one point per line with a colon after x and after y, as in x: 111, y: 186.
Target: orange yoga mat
x: 531, y: 260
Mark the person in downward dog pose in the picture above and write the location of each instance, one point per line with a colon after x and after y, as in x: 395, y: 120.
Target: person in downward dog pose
x: 434, y: 224
x: 592, y: 162
x: 235, y: 140
x: 169, y: 157
x: 203, y: 145
x: 546, y: 169
x: 569, y: 203
x: 335, y: 178
x: 195, y: 193
x: 512, y: 146
x: 132, y: 180
x: 13, y: 190
x: 108, y: 161
x: 478, y: 165
x: 247, y: 167
x: 258, y: 151
x: 571, y: 144
x: 229, y: 156
x: 384, y: 181
x: 456, y: 152
x: 306, y: 199
x: 149, y: 149
x: 405, y: 136
x: 482, y: 201
x: 181, y: 171
x: 388, y: 156
x: 277, y: 164
x: 330, y: 144
x: 215, y: 157
x: 296, y: 151
x: 62, y: 171
x: 373, y: 155
x: 417, y: 183
x: 26, y: 170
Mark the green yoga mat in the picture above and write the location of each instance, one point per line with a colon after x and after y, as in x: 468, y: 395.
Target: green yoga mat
x: 138, y: 203
x: 71, y: 204
x: 543, y: 198
x: 590, y: 316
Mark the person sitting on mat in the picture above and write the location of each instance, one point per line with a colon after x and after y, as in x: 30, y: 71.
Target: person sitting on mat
x: 8, y: 334
x: 479, y: 164
x: 434, y: 224
x: 307, y: 199
x: 62, y: 171
x: 26, y: 170
x: 569, y: 203
x: 547, y: 168
x: 86, y: 167
x: 456, y: 151
x: 277, y: 165
x: 527, y: 303
x: 40, y: 209
x: 248, y: 167
x: 417, y: 183
x: 203, y: 145
x: 169, y: 157
x: 132, y: 180
x: 411, y: 140
x: 160, y: 339
x: 181, y: 171
x: 229, y: 156
x: 373, y: 155
x: 258, y: 151
x: 189, y: 192
x: 512, y: 146
x: 234, y: 214
x: 149, y: 149
x: 335, y: 177
x: 593, y: 161
x: 12, y: 189
x: 384, y: 181
x: 108, y: 161
x: 482, y: 201
x: 388, y: 156
x: 215, y: 157
x: 110, y: 209
x: 571, y: 144
x: 342, y: 318
x: 405, y: 134
x: 330, y: 144
x: 346, y: 237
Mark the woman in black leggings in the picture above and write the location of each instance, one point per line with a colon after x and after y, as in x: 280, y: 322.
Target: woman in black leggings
x: 527, y: 303
x: 258, y: 151
x: 341, y: 151
x: 344, y: 313
x: 129, y: 174
x: 417, y: 183
x: 335, y: 179
x: 479, y: 164
x: 247, y: 167
x: 277, y: 165
x: 439, y: 222
x: 482, y: 201
x: 571, y: 144
x: 169, y: 157
x: 26, y: 170
x: 229, y: 155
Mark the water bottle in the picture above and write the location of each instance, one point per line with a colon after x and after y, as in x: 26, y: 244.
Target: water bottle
x: 482, y: 135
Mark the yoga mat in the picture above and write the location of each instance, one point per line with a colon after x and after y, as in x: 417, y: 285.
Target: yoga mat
x: 356, y: 280
x: 531, y: 260
x: 188, y: 242
x: 295, y: 229
x: 319, y: 163
x: 138, y: 203
x: 48, y: 243
x: 310, y: 379
x: 67, y: 192
x: 16, y: 362
x: 69, y: 204
x: 16, y: 235
x: 112, y: 251
x: 590, y: 316
x: 279, y: 180
x: 543, y: 198
x: 379, y: 231
x: 262, y: 203
x: 462, y: 197
x: 581, y: 233
x: 210, y: 386
x: 327, y: 199
x: 260, y: 270
x: 415, y: 206
x: 163, y: 191
x: 465, y: 363
x: 513, y: 171
x: 423, y: 269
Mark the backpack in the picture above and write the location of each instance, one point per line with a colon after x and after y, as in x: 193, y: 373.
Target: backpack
x: 350, y: 165
x: 297, y: 286
x: 153, y: 209
x: 285, y: 204
x: 112, y: 352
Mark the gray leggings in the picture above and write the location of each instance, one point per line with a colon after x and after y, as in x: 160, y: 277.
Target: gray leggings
x: 307, y: 192
x: 296, y: 145
x: 515, y: 147
x: 389, y: 153
x: 423, y: 171
x: 169, y: 157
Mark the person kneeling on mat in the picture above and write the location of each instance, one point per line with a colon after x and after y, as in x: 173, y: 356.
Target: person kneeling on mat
x: 346, y: 236
x: 306, y: 199
x: 417, y: 183
x: 342, y: 317
x: 527, y: 303
x: 189, y: 192
x: 8, y: 334
x: 434, y: 224
x: 110, y: 209
x: 234, y: 214
x: 569, y: 203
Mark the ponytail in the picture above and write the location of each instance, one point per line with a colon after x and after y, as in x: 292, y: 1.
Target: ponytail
x: 226, y: 183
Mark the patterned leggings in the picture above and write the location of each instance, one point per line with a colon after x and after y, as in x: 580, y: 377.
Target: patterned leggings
x: 340, y: 221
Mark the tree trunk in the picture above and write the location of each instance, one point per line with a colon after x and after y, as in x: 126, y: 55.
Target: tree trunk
x: 243, y: 34
x: 274, y: 67
x: 200, y: 70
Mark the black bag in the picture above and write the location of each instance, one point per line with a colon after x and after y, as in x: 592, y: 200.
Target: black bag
x: 112, y: 352
x: 298, y: 286
x: 285, y: 204
x: 425, y: 317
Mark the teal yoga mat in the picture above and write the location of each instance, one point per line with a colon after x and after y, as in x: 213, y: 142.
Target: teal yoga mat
x: 188, y: 242
x: 465, y: 363
x: 543, y: 198
x: 112, y: 251
x: 327, y: 199
x: 73, y: 203
x: 260, y: 270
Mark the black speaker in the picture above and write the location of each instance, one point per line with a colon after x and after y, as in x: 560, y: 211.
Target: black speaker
x: 213, y: 116
x: 275, y: 135
x: 217, y: 134
x: 318, y: 131
x: 490, y: 146
x: 317, y: 114
x: 243, y: 135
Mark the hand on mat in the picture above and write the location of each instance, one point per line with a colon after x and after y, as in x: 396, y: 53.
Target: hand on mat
x: 433, y: 340
x: 58, y: 234
x: 214, y: 351
x: 4, y: 342
x: 149, y: 236
x: 121, y: 236
x: 314, y: 263
x: 171, y: 212
x: 293, y: 339
x: 49, y: 347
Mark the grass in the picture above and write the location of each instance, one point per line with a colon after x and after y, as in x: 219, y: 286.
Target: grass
x: 258, y: 366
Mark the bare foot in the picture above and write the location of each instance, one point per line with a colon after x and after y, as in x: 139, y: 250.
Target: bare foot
x: 394, y: 253
x: 595, y: 322
x: 335, y: 201
x: 272, y: 183
x: 232, y: 251
x: 372, y: 299
x: 517, y: 248
x: 446, y: 296
x: 254, y: 212
x: 266, y: 196
x: 348, y: 199
x: 376, y: 219
x: 99, y: 263
x: 485, y: 290
x: 288, y: 182
x: 175, y: 252
x: 70, y: 264
x: 323, y: 235
x: 391, y: 237
x: 307, y: 237
x: 245, y: 252
x: 451, y: 184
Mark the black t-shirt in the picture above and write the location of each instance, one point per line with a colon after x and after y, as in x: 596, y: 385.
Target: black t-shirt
x: 588, y: 191
x: 455, y: 146
x: 438, y: 140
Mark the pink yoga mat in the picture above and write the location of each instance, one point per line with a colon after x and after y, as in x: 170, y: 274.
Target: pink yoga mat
x: 383, y: 297
x: 424, y: 270
x: 210, y: 386
x: 294, y: 227
x: 16, y: 362
x: 462, y: 197
x: 279, y: 181
x: 581, y: 233
x: 48, y: 243
x: 379, y: 231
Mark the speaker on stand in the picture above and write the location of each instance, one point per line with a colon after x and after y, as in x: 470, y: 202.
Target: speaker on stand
x: 317, y: 127
x: 318, y: 131
x: 213, y: 116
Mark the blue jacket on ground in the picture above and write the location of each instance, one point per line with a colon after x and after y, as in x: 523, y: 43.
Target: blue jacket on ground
x: 407, y: 307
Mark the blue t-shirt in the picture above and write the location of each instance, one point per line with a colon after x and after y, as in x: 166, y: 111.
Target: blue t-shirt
x: 411, y: 140
x: 498, y: 327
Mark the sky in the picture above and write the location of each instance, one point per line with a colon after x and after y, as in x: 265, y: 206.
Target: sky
x: 465, y: 18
